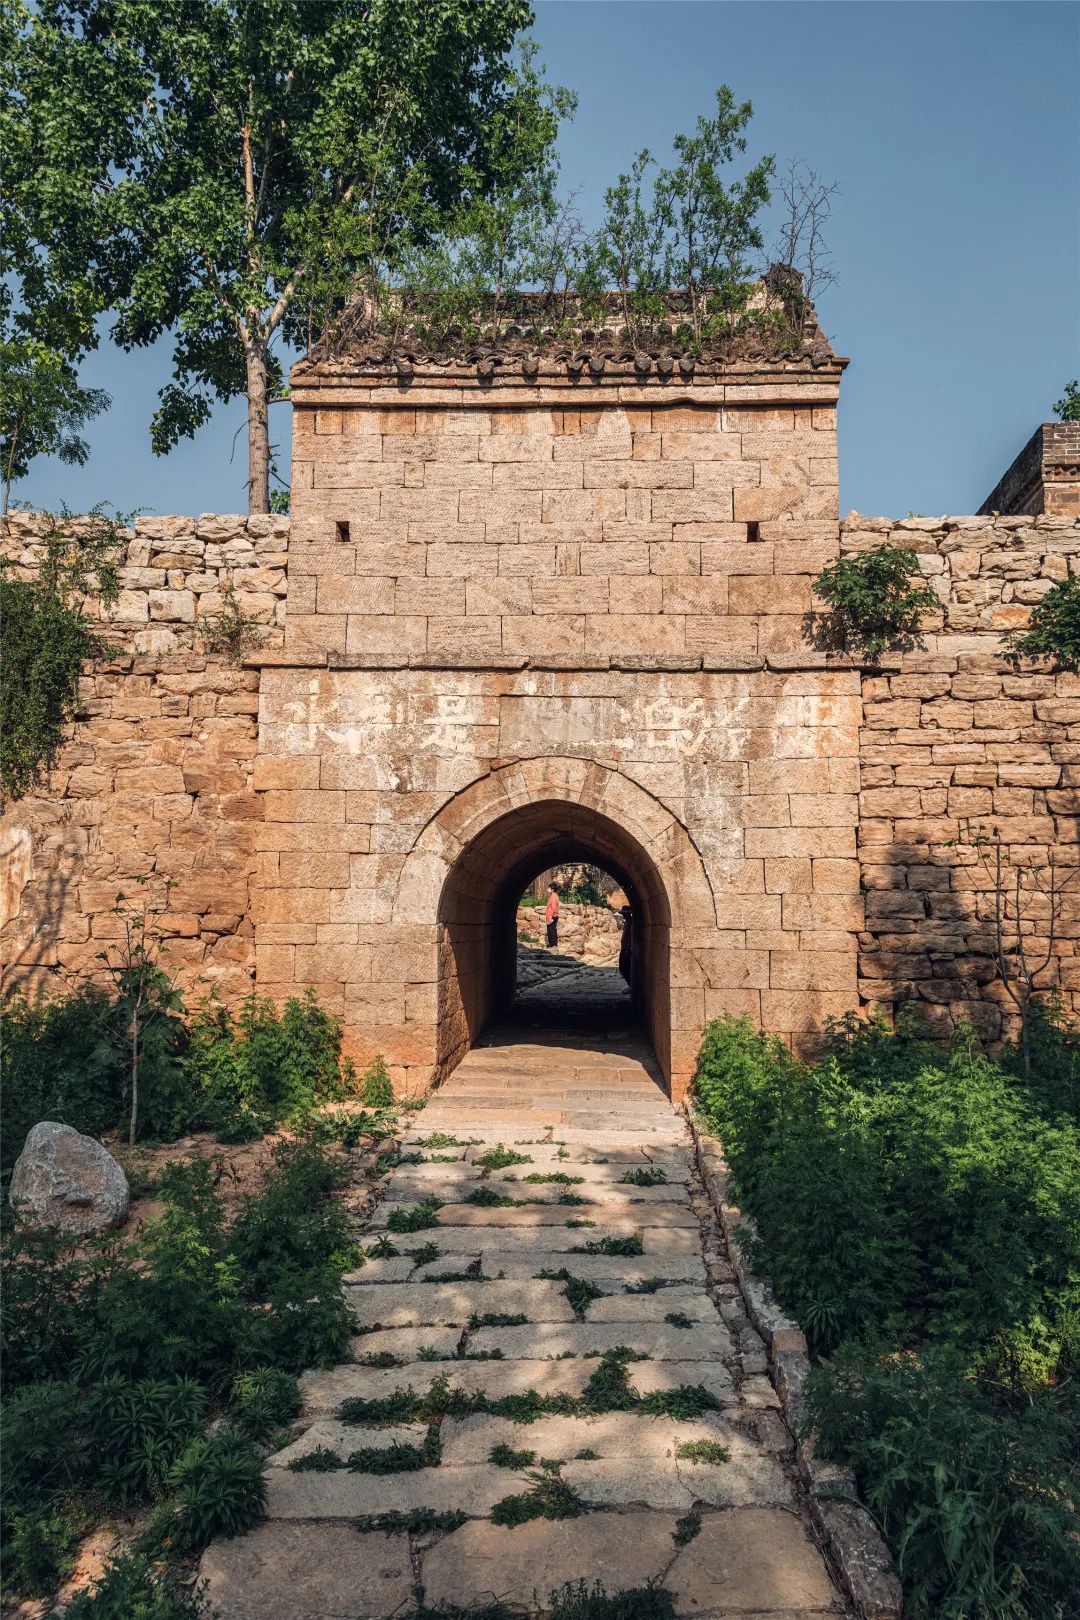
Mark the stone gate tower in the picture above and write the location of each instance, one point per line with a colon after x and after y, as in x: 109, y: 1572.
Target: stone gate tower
x: 543, y: 606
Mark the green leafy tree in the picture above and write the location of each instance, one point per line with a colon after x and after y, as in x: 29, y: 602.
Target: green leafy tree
x: 711, y: 224
x: 1067, y: 408
x: 42, y: 409
x: 225, y: 170
x: 876, y: 602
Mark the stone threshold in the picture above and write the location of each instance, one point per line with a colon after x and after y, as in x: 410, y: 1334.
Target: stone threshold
x: 854, y: 1544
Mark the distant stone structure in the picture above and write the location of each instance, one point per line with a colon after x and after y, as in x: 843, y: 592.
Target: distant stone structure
x: 1045, y: 477
x: 545, y: 607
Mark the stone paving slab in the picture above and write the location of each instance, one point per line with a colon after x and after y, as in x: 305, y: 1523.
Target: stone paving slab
x: 481, y: 1561
x: 407, y: 1343
x: 456, y: 1240
x: 308, y: 1572
x: 656, y: 1339
x: 609, y: 1216
x: 345, y: 1438
x: 325, y: 1390
x: 409, y: 1187
x: 343, y: 1494
x: 654, y: 1307
x: 750, y: 1561
x: 610, y: 1435
x: 615, y: 1271
x: 390, y: 1305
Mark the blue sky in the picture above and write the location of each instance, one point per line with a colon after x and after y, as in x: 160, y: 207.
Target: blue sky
x: 951, y: 129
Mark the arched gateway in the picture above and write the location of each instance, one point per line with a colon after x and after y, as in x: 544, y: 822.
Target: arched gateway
x: 542, y: 614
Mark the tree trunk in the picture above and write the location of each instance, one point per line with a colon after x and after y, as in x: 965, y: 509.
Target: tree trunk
x: 258, y: 430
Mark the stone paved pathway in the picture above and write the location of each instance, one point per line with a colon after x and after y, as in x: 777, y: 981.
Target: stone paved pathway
x: 585, y: 1109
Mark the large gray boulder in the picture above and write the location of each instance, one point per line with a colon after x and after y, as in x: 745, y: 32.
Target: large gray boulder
x: 67, y: 1180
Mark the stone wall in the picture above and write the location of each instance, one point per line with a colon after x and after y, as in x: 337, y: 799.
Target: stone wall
x: 156, y: 779
x: 956, y: 740
x: 369, y: 832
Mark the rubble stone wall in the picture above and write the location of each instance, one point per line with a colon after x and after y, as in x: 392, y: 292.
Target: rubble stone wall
x: 957, y: 741
x: 156, y: 778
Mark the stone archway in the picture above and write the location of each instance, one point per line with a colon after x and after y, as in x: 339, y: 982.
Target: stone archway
x: 475, y: 855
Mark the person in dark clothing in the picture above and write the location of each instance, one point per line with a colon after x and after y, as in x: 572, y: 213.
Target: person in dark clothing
x: 626, y: 943
x: 551, y: 915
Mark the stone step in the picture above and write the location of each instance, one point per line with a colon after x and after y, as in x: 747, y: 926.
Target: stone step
x: 324, y: 1391
x: 610, y: 1215
x: 607, y: 1271
x: 312, y: 1571
x: 743, y: 1561
x: 343, y: 1494
x: 470, y: 1240
x: 416, y: 1181
x: 658, y: 1340
x: 692, y: 1302
x: 408, y: 1343
x: 344, y: 1438
x: 610, y: 1435
x: 452, y: 1304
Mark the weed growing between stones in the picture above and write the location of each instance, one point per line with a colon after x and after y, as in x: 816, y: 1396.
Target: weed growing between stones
x: 548, y: 1497
x: 686, y: 1528
x: 399, y: 1458
x: 579, y: 1601
x: 507, y: 1457
x: 580, y: 1222
x: 417, y: 1522
x: 440, y: 1139
x: 501, y: 1158
x: 557, y: 1178
x: 678, y: 1319
x: 488, y: 1198
x: 570, y: 1198
x: 496, y: 1319
x: 627, y: 1246
x: 425, y: 1254
x: 415, y: 1217
x: 428, y: 1352
x: 683, y: 1403
x: 587, y: 1454
x: 642, y: 1177
x: 702, y: 1451
x: 471, y: 1273
x: 609, y: 1389
x: 578, y: 1293
x: 381, y: 1249
x: 320, y: 1461
x: 382, y: 1358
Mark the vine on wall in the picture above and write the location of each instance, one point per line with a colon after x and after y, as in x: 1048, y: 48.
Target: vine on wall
x: 46, y: 634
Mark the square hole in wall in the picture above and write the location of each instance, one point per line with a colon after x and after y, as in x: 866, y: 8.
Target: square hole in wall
x: 753, y: 531
x: 341, y: 529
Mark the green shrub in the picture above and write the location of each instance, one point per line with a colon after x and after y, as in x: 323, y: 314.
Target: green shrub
x: 292, y: 1224
x: 136, y: 1588
x: 376, y: 1087
x: 876, y: 601
x: 980, y: 1502
x: 220, y: 1490
x: 933, y: 1195
x: 138, y: 1431
x: 1053, y: 1084
x: 39, y: 1549
x: 263, y: 1401
x: 414, y: 1217
x: 1053, y: 631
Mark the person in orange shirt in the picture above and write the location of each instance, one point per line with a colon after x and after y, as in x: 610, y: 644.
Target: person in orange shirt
x: 551, y: 915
